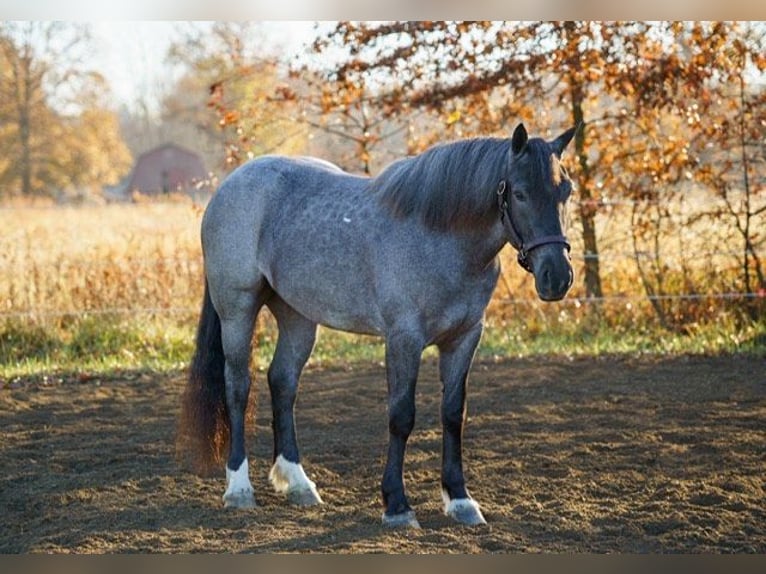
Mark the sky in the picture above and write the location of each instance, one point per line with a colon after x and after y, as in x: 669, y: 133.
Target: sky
x: 131, y: 54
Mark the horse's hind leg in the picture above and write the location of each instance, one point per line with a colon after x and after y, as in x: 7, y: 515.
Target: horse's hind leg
x: 294, y: 345
x: 238, y: 309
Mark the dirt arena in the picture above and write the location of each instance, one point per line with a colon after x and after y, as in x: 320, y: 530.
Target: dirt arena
x: 587, y: 455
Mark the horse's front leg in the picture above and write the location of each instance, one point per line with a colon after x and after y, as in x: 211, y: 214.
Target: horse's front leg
x: 454, y: 362
x: 403, y: 351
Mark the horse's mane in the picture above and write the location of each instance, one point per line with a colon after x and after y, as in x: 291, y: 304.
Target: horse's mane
x: 449, y: 186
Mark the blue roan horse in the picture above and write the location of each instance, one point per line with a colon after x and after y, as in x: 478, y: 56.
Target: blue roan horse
x: 410, y: 255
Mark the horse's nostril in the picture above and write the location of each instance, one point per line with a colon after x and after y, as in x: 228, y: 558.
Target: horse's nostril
x: 553, y: 281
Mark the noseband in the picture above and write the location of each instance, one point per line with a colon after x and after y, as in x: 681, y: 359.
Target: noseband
x: 524, y: 248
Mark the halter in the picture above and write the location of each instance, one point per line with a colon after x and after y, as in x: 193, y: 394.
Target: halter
x: 523, y: 248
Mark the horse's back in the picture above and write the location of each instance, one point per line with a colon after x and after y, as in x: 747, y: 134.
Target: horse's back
x: 268, y: 177
x: 262, y: 190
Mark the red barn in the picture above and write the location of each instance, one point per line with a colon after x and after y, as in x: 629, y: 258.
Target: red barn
x: 165, y: 169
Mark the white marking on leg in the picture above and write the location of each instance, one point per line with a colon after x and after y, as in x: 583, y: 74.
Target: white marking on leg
x: 288, y: 476
x: 238, y: 482
x: 446, y: 500
x: 458, y: 506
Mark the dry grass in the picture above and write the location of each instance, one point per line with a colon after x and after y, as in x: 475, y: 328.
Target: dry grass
x: 113, y: 257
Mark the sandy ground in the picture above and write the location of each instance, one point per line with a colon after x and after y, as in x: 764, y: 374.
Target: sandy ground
x: 586, y: 455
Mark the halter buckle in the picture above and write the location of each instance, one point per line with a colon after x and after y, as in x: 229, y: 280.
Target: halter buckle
x: 522, y: 258
x: 502, y: 198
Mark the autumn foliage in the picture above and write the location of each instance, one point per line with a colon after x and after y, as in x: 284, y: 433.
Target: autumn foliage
x: 58, y: 137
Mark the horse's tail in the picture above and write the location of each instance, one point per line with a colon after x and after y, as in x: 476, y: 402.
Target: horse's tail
x: 203, y: 430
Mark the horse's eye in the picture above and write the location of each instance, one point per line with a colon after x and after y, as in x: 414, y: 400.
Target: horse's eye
x: 519, y: 195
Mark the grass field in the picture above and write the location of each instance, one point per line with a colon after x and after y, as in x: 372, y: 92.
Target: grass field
x: 119, y: 286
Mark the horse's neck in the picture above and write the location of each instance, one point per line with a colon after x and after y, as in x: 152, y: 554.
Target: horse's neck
x: 481, y: 248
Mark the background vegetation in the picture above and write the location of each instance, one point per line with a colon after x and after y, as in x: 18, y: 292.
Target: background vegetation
x: 667, y: 221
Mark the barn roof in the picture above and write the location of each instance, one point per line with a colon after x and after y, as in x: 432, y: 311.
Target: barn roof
x: 168, y: 167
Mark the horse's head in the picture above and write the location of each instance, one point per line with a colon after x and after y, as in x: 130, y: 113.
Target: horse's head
x: 532, y: 202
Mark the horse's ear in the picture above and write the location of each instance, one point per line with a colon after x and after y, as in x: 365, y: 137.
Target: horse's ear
x: 563, y: 140
x: 519, y: 139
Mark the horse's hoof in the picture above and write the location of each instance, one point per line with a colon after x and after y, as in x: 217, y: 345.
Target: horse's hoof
x: 289, y: 478
x: 304, y: 497
x: 239, y: 500
x: 401, y: 520
x: 465, y: 511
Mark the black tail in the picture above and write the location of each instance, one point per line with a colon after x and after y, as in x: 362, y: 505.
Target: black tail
x: 203, y: 430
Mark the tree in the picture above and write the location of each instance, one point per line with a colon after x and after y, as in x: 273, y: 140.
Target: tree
x: 345, y: 126
x: 228, y: 66
x: 729, y: 149
x: 49, y: 100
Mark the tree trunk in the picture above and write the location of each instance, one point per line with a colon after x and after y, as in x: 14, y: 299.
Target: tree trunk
x: 25, y: 162
x: 587, y: 208
x: 22, y: 70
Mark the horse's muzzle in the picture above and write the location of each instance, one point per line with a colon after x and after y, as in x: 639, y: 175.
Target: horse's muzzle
x: 553, y: 273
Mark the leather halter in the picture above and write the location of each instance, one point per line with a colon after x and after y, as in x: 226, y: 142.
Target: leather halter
x: 524, y: 248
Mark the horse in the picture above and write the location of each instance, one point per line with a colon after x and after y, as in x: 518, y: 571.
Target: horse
x: 410, y: 255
